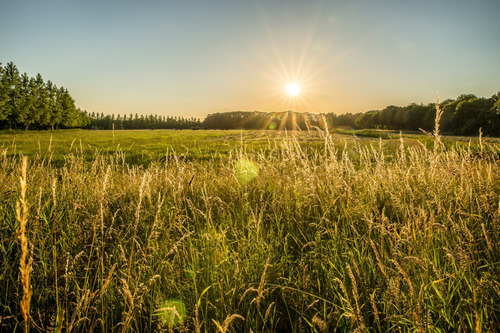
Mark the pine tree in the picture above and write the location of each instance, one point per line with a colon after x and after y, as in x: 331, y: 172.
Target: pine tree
x: 26, y: 113
x: 12, y: 83
x: 3, y: 96
x: 68, y: 109
x: 42, y: 100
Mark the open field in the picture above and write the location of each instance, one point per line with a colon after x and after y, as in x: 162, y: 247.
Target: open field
x: 142, y: 147
x: 137, y: 231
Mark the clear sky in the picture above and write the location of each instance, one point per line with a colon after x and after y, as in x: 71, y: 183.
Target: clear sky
x: 195, y: 57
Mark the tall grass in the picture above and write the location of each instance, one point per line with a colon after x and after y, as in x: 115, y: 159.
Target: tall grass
x: 25, y: 263
x: 349, y: 237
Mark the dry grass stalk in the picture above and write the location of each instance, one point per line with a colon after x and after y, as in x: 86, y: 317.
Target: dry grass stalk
x: 405, y: 275
x: 481, y: 140
x: 437, y: 138
x: 402, y: 148
x: 130, y: 301
x: 224, y: 327
x: 487, y: 238
x: 78, y: 310
x: 346, y: 298
x: 145, y: 180
x: 268, y: 312
x: 106, y: 282
x: 196, y: 320
x: 153, y: 234
x: 375, y: 310
x: 128, y: 294
x: 319, y: 323
x: 379, y: 261
x: 25, y: 264
x: 260, y: 289
x: 359, y: 315
x: 420, y: 311
x: 177, y: 244
x: 236, y: 269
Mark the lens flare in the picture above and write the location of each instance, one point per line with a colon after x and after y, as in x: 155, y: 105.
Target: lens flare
x: 246, y: 171
x: 172, y: 313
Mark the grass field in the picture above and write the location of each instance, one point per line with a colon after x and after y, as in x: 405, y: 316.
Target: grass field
x: 142, y: 147
x: 239, y: 231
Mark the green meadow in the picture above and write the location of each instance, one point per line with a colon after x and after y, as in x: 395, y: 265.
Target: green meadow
x: 248, y: 231
x: 142, y: 147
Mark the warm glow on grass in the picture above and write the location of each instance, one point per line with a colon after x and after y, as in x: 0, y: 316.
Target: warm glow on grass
x: 292, y: 89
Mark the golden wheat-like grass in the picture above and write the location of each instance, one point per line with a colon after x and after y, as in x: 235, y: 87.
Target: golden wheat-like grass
x: 437, y: 125
x: 25, y: 262
x: 227, y: 322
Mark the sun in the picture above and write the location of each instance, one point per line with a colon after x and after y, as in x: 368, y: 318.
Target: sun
x: 292, y: 89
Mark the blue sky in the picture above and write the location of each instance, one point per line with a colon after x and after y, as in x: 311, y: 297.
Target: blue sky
x: 192, y: 58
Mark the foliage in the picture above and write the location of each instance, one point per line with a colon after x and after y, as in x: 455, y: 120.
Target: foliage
x: 32, y: 103
x: 463, y: 116
x: 286, y: 120
x: 258, y: 120
x: 101, y: 121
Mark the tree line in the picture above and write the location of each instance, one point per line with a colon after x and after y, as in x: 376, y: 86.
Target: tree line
x: 285, y: 120
x: 32, y: 103
x: 464, y: 115
x: 101, y: 121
